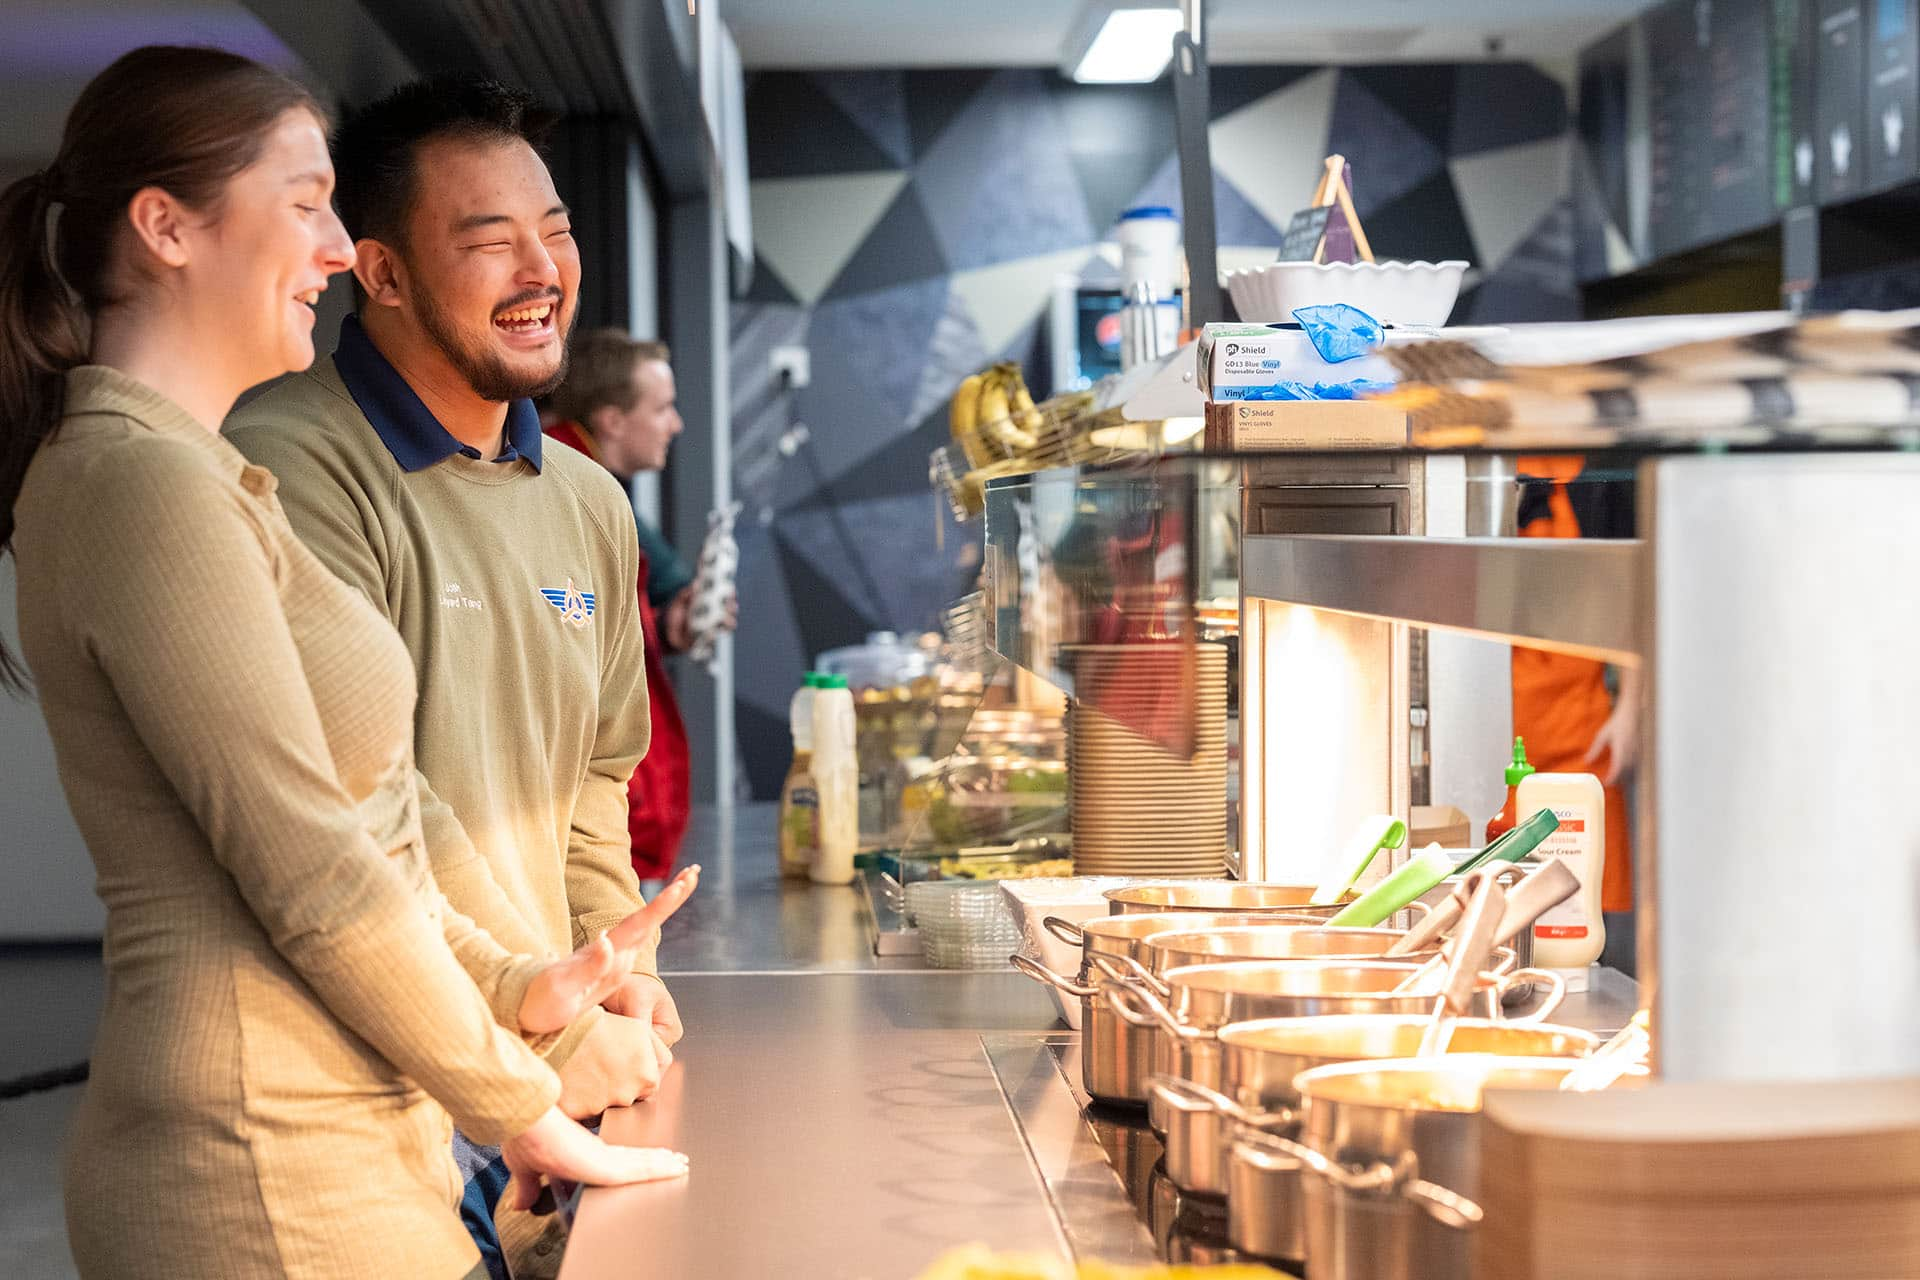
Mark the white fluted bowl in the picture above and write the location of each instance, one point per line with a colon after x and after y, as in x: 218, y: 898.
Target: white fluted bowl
x: 1396, y: 293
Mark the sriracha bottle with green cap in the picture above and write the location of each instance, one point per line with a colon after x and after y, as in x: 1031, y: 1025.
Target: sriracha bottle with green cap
x: 1505, y: 820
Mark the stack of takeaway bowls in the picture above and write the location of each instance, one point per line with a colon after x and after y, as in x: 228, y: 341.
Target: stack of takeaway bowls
x: 1139, y: 809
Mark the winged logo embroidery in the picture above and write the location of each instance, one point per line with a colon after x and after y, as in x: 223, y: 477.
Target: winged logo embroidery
x: 575, y: 605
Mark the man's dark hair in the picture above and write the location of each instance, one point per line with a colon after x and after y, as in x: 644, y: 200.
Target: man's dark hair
x: 375, y: 149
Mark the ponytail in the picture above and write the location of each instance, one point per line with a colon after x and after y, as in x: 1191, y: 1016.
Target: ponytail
x: 43, y: 333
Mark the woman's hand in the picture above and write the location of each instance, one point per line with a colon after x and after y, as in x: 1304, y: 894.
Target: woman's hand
x: 1619, y: 738
x: 568, y: 988
x: 557, y: 1147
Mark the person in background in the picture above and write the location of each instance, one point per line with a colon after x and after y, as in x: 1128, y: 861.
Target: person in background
x: 410, y: 462
x: 1561, y: 704
x: 290, y: 1002
x: 617, y: 406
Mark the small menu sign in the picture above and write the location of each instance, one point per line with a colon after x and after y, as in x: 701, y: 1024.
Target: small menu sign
x: 1304, y: 233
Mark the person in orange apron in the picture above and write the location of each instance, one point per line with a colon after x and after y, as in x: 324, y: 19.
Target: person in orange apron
x: 1561, y: 704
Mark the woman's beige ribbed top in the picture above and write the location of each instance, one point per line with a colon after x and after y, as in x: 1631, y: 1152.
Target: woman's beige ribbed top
x: 290, y: 1003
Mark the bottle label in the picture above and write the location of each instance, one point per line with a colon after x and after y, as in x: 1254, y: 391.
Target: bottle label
x: 801, y: 822
x: 1569, y: 919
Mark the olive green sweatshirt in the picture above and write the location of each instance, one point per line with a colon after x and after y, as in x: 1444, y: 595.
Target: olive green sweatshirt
x: 512, y: 586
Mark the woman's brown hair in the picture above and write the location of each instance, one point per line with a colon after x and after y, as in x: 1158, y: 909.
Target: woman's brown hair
x: 184, y: 120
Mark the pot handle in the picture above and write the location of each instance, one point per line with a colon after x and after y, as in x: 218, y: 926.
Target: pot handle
x: 1065, y: 930
x: 1556, y: 994
x: 1121, y: 997
x: 1127, y: 969
x: 1448, y: 1208
x: 1271, y: 1153
x: 1040, y: 973
x: 1181, y: 1090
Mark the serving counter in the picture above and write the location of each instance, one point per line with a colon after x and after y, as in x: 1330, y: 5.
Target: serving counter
x: 849, y: 1116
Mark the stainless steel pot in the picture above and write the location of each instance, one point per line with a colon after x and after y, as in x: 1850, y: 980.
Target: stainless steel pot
x: 1214, y: 944
x: 1228, y: 944
x: 1205, y: 998
x: 1259, y: 1061
x: 1220, y: 895
x: 1389, y: 1161
x: 1127, y: 935
x: 1115, y: 1056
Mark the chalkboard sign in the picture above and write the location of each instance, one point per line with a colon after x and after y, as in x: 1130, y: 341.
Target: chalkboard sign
x: 1710, y: 122
x: 1304, y: 233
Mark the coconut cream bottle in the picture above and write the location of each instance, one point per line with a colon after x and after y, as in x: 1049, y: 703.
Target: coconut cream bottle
x: 1571, y: 936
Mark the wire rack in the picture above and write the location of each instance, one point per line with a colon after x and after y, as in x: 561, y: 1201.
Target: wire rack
x: 1071, y: 434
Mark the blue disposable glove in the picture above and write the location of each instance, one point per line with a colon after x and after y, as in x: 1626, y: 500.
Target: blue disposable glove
x: 1340, y: 332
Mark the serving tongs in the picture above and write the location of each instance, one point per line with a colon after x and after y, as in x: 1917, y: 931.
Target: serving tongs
x: 1465, y: 955
x: 1529, y: 899
x: 1625, y: 1054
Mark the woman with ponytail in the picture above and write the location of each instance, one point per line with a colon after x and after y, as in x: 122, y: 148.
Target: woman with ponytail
x: 292, y: 1011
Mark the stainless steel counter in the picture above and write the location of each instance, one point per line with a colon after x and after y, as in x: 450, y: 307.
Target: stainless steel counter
x: 840, y: 1110
x: 746, y: 918
x: 851, y: 1117
x: 840, y: 1125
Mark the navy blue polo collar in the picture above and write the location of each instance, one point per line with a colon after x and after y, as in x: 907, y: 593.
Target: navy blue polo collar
x: 404, y: 423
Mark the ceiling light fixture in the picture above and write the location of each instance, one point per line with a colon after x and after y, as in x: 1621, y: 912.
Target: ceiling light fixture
x: 1121, y: 42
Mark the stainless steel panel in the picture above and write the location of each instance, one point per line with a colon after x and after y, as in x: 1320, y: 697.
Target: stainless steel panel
x: 1103, y: 556
x: 1090, y: 1201
x: 1575, y: 596
x: 1779, y: 886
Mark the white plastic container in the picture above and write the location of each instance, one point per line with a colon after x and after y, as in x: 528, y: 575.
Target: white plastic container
x: 836, y: 777
x: 1149, y: 239
x: 1571, y: 936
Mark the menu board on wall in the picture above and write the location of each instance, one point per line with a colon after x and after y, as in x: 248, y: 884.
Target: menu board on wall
x: 1795, y: 35
x: 1710, y: 112
x: 1840, y: 101
x: 1893, y: 94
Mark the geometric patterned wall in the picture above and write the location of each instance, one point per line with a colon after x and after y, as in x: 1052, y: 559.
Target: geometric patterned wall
x: 909, y: 226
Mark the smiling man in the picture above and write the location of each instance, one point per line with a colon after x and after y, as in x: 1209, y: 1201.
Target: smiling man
x: 411, y: 462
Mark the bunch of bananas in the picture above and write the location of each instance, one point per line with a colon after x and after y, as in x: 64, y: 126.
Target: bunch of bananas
x: 993, y: 416
x: 1000, y: 431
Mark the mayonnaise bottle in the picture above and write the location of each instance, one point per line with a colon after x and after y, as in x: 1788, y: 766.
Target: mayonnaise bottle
x: 836, y: 776
x: 1571, y: 936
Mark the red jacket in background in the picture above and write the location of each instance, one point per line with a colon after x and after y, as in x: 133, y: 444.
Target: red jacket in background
x: 659, y: 796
